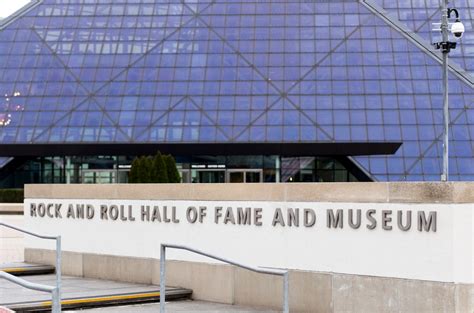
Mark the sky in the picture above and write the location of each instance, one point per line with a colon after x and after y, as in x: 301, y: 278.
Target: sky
x: 7, y: 7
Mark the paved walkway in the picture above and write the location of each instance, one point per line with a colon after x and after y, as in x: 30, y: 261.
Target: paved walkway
x: 179, y: 307
x: 11, y: 241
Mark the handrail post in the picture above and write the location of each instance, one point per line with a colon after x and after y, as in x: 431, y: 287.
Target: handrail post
x: 162, y: 278
x: 286, y: 289
x: 58, y: 274
x: 56, y: 304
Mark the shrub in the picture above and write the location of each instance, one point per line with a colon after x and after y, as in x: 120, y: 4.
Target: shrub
x: 159, y: 169
x: 11, y: 195
x: 133, y: 177
x: 173, y: 173
x: 145, y: 169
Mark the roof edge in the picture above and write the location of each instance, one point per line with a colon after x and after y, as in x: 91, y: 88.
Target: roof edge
x: 252, y: 148
x: 362, y: 168
x: 5, y: 161
x: 417, y: 40
x: 19, y: 13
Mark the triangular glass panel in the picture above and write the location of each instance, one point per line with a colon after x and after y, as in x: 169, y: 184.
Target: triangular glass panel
x: 257, y: 134
x: 96, y: 53
x: 309, y: 133
x: 4, y: 161
x: 141, y: 134
x: 221, y: 137
x: 257, y: 120
x: 121, y: 137
x: 421, y: 15
x: 244, y: 135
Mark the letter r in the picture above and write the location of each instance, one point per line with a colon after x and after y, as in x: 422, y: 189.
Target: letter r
x: 33, y: 210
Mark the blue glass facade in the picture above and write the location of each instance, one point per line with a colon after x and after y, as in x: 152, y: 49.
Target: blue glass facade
x: 84, y: 71
x: 420, y: 15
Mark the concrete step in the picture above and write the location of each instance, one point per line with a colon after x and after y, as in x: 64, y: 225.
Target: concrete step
x: 181, y: 307
x: 79, y: 293
x: 104, y: 300
x: 27, y: 269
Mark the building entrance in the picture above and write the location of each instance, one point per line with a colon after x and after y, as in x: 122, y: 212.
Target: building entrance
x: 195, y: 169
x: 99, y: 176
x: 244, y: 176
x: 208, y: 176
x: 224, y: 176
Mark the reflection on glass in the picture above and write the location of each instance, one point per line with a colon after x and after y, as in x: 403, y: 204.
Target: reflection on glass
x: 236, y: 177
x: 9, y: 106
x: 207, y: 177
x: 98, y: 177
x: 253, y: 177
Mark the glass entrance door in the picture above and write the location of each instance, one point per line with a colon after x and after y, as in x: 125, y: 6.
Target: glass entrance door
x: 244, y: 176
x: 208, y: 176
x: 253, y: 177
x: 99, y: 177
x: 236, y: 177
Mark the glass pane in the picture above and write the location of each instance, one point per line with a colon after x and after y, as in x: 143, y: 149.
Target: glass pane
x: 208, y: 177
x: 253, y: 177
x: 236, y: 177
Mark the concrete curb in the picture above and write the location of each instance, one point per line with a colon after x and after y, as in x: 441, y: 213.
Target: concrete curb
x: 105, y: 300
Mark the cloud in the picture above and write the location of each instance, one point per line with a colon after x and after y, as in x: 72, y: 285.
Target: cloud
x: 9, y: 7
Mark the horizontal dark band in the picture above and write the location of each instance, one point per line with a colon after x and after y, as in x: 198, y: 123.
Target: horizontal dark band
x: 285, y: 149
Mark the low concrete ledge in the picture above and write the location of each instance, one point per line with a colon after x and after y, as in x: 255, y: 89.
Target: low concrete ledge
x: 453, y: 192
x: 11, y: 208
x: 443, y: 257
x: 309, y: 291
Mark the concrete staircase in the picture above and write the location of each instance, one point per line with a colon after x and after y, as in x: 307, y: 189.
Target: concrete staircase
x: 77, y: 292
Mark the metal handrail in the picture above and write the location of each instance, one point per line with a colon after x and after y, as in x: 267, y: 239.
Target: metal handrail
x: 27, y: 284
x: 55, y: 291
x: 283, y: 273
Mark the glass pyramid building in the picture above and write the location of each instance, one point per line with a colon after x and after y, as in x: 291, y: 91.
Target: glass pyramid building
x: 213, y: 73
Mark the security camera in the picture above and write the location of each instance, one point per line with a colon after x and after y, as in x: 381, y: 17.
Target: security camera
x: 458, y: 29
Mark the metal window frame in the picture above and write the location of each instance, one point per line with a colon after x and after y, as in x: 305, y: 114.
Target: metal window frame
x: 243, y: 171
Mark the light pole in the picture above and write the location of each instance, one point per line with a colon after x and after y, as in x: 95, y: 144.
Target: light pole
x: 457, y: 29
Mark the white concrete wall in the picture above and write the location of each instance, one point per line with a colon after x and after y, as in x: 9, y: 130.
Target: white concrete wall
x: 11, y: 241
x: 446, y: 255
